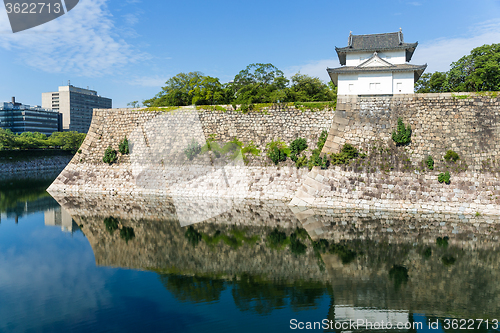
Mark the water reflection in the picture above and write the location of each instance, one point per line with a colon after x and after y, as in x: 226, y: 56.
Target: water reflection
x: 394, y: 266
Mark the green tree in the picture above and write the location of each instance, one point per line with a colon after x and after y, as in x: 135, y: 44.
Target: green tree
x: 305, y: 88
x: 6, y: 139
x: 432, y: 83
x: 133, y: 104
x: 259, y: 83
x: 478, y: 71
x: 66, y: 140
x: 177, y: 90
x: 207, y: 91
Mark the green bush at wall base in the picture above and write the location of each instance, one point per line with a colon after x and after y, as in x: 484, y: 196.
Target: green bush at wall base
x: 402, y: 135
x: 276, y: 238
x: 451, y: 156
x: 301, y: 161
x: 109, y: 155
x: 322, y: 139
x: 444, y: 177
x: 442, y: 241
x: 296, y: 246
x: 316, y: 159
x: 298, y: 145
x: 347, y: 153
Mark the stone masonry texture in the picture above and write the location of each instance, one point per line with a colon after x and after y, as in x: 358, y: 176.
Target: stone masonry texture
x: 467, y: 123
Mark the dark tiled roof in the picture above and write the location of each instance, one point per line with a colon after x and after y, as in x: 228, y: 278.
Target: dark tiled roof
x: 376, y: 42
x: 417, y: 69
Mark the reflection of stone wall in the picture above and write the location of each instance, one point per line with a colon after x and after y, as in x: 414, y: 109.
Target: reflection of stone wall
x: 467, y: 287
x: 399, y: 227
x: 337, y: 225
x: 162, y: 246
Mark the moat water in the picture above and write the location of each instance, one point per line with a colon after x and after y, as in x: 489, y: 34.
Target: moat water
x: 112, y: 264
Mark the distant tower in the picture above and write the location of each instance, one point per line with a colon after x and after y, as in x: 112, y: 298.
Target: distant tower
x: 76, y: 105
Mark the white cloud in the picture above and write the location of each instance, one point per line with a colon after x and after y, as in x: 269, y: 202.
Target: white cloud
x: 131, y: 19
x: 82, y: 42
x: 441, y: 52
x: 415, y: 3
x: 314, y: 68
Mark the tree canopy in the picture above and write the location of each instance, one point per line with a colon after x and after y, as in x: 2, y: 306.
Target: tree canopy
x: 34, y: 140
x: 478, y: 71
x: 257, y: 83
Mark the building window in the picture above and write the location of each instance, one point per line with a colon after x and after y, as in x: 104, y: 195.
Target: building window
x: 351, y: 87
x: 399, y: 86
x: 374, y: 86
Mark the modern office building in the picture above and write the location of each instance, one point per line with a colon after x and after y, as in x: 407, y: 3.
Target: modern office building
x: 76, y: 106
x: 21, y: 118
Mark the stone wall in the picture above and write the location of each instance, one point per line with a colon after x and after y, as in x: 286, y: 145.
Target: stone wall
x: 467, y: 123
x: 397, y: 179
x: 7, y: 168
x: 157, y: 163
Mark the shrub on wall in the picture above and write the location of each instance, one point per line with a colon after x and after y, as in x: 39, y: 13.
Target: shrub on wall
x: 276, y: 238
x: 322, y: 139
x: 123, y: 147
x: 430, y: 162
x: 252, y: 149
x: 109, y: 155
x: 296, y: 147
x: 444, y: 177
x: 347, y: 153
x: 451, y: 156
x: 192, y: 149
x: 301, y: 161
x: 316, y: 160
x: 235, y: 146
x: 277, y: 151
x: 402, y: 135
x: 193, y: 236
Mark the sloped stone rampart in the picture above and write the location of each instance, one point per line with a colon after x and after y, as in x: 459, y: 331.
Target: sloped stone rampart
x: 157, y: 163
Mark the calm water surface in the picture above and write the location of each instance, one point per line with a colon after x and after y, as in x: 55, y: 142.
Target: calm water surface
x: 108, y: 264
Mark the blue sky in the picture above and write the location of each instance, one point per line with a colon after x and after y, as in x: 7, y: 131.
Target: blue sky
x: 127, y: 49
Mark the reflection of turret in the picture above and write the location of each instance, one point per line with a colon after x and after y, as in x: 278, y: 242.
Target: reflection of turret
x: 59, y: 217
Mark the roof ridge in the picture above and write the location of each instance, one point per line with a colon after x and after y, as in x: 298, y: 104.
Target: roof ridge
x: 383, y: 33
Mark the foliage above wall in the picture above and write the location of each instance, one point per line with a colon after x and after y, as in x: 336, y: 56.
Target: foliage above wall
x: 478, y: 71
x: 257, y: 83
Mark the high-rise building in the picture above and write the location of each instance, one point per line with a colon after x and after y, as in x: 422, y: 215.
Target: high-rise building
x: 21, y: 118
x: 76, y: 106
